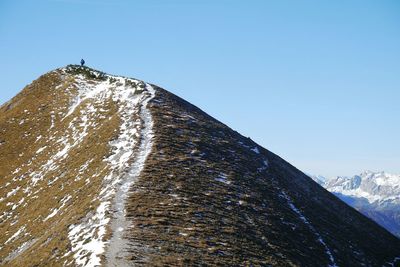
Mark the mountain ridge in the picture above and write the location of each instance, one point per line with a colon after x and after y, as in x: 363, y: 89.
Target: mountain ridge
x: 205, y: 194
x: 375, y: 194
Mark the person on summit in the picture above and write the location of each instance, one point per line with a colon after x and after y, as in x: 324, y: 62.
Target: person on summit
x: 82, y: 62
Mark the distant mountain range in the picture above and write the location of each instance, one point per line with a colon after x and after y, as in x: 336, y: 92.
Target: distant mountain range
x: 375, y: 194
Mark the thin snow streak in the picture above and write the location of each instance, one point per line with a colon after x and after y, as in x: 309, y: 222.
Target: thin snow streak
x: 311, y: 227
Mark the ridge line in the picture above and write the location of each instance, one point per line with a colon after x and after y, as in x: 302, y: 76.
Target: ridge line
x: 118, y: 246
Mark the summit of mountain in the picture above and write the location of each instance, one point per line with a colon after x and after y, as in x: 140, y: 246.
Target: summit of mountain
x: 98, y: 169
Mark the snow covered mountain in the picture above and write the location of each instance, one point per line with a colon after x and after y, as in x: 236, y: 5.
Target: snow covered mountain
x: 375, y: 194
x: 102, y: 170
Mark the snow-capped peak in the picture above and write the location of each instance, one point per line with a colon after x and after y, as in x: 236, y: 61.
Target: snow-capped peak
x: 371, y: 186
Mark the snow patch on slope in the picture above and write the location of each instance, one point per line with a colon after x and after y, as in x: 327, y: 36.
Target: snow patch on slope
x: 223, y: 178
x: 87, y: 237
x: 56, y: 210
x: 118, y: 245
x: 15, y: 235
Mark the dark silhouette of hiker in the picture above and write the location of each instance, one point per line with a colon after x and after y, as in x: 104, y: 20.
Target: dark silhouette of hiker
x: 82, y: 62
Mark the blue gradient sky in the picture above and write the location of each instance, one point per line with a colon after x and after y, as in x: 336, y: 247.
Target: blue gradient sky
x: 317, y: 82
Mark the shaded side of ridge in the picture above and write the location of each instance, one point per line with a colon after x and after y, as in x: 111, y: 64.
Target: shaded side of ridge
x: 208, y: 195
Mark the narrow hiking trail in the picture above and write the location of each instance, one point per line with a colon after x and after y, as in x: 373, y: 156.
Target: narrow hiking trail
x: 101, y: 232
x: 118, y: 245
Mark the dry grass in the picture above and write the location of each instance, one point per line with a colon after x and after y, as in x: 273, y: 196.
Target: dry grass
x: 183, y: 216
x: 183, y: 212
x: 34, y: 105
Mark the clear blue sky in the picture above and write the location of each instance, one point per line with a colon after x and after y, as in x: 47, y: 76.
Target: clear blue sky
x: 317, y: 82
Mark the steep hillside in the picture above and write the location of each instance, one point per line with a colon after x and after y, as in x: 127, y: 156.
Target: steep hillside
x: 104, y: 170
x: 375, y: 194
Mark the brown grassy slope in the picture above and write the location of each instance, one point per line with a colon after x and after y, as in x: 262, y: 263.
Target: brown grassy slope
x: 22, y: 121
x: 204, y: 198
x: 184, y: 215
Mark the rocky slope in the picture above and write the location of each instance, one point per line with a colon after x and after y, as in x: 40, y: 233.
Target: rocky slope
x: 375, y: 194
x: 105, y: 170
